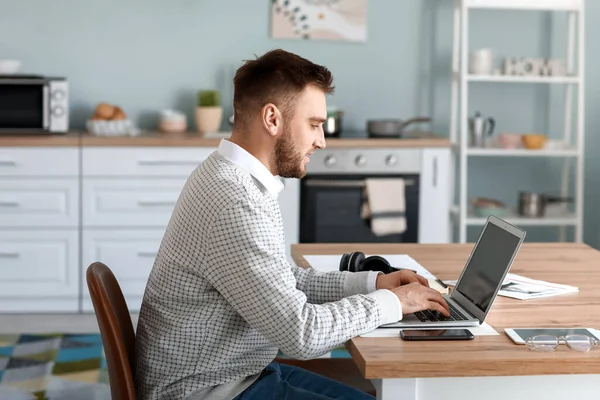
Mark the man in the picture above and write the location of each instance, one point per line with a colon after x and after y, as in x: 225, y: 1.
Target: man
x: 222, y: 299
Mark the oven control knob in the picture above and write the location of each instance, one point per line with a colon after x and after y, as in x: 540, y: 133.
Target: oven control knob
x: 360, y: 161
x: 58, y: 94
x: 330, y: 160
x: 390, y: 160
x: 58, y: 111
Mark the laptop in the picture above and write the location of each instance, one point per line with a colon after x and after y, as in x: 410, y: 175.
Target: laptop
x: 479, y: 281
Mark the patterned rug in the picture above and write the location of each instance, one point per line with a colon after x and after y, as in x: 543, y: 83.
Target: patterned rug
x: 52, y: 367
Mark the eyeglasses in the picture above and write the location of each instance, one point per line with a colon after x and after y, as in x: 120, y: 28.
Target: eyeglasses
x: 550, y: 343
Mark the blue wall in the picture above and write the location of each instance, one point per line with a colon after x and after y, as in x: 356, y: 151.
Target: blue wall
x: 149, y: 55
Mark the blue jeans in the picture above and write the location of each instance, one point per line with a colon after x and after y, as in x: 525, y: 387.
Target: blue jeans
x: 280, y: 381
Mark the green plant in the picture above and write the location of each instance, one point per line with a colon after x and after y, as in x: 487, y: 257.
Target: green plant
x: 209, y: 98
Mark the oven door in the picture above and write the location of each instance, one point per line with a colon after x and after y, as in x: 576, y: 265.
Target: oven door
x: 330, y: 210
x: 24, y: 105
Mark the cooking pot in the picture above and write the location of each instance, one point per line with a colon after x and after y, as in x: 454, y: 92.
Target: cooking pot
x: 391, y: 128
x: 332, y: 127
x: 534, y: 204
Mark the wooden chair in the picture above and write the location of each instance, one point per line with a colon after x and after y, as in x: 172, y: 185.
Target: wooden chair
x: 116, y: 329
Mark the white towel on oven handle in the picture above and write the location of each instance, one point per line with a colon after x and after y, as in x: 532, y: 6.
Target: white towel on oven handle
x: 384, y: 203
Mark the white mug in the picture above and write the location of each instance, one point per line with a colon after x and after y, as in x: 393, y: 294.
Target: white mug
x: 481, y: 62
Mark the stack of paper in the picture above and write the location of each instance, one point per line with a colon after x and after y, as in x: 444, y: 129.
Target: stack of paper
x: 520, y: 287
x: 328, y: 263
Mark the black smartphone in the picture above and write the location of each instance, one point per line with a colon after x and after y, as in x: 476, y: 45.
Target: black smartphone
x: 436, y: 334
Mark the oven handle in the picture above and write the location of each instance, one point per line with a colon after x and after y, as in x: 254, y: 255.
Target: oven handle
x: 45, y: 107
x: 345, y: 184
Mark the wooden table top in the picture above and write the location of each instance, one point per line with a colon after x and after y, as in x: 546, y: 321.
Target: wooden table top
x: 566, y: 263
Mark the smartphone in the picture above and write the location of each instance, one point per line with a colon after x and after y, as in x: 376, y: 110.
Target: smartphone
x: 436, y: 334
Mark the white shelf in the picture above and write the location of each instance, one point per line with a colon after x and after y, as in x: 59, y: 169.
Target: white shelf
x: 551, y: 219
x: 523, y: 79
x: 498, y: 152
x: 540, y: 5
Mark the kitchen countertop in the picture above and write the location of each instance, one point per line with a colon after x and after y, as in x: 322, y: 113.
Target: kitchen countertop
x: 157, y: 139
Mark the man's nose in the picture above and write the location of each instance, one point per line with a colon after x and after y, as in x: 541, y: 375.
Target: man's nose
x: 321, y: 140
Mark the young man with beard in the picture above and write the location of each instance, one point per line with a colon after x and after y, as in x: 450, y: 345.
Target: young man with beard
x: 222, y: 299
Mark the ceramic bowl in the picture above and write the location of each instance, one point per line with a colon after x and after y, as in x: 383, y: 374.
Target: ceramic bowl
x: 534, y: 141
x: 483, y: 207
x: 510, y: 140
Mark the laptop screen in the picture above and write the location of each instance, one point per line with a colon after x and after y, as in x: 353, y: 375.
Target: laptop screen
x: 487, y: 265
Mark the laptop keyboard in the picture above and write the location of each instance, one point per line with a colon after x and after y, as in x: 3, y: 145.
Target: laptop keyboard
x: 428, y: 315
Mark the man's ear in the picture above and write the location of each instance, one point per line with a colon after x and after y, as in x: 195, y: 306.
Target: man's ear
x: 272, y: 119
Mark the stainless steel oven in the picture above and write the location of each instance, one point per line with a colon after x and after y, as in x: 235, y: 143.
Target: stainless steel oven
x: 33, y: 104
x: 332, y: 194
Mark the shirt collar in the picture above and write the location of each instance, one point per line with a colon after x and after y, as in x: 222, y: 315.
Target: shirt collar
x: 247, y: 161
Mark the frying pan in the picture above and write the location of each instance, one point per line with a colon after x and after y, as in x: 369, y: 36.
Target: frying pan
x: 391, y: 128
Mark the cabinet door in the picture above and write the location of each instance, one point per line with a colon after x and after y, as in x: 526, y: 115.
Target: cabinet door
x: 39, y: 203
x: 39, y: 270
x: 142, y: 161
x: 39, y: 161
x: 289, y: 203
x: 130, y: 254
x: 434, y: 196
x: 141, y: 202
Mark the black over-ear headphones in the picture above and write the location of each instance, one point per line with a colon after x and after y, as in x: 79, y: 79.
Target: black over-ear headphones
x: 356, y: 262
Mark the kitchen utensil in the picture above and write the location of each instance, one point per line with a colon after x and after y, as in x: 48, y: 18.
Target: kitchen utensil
x: 534, y: 141
x: 332, y: 127
x: 480, y: 128
x: 390, y: 128
x: 533, y: 205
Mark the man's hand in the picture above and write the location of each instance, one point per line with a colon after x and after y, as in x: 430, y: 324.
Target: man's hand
x: 398, y: 278
x: 416, y: 297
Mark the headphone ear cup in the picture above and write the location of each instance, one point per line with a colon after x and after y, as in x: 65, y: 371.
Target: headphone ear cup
x: 344, y: 262
x: 355, y: 263
x: 377, y: 263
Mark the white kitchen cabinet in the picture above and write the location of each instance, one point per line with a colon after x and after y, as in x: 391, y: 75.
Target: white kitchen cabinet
x: 39, y: 229
x: 434, y: 196
x: 39, y: 270
x: 129, y: 253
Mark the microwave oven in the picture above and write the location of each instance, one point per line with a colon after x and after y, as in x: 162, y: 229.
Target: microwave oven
x: 33, y: 104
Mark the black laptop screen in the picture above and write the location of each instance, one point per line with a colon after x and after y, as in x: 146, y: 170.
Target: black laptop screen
x: 485, y: 270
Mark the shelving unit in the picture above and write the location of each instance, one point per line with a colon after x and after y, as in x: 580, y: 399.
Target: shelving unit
x: 574, y: 141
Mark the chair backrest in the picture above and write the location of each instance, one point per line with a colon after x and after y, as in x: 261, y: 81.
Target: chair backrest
x: 116, y: 329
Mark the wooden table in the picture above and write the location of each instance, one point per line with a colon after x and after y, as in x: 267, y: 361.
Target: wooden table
x: 490, y: 367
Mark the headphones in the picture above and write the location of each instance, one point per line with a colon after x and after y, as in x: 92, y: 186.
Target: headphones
x: 357, y: 262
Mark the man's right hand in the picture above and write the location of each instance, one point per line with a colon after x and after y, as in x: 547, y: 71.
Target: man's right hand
x: 416, y: 297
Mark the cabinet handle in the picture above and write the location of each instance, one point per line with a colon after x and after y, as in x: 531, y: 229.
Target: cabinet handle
x: 9, y: 204
x: 45, y: 107
x: 168, y: 162
x: 147, y: 253
x: 7, y: 163
x: 435, y: 171
x: 9, y: 255
x: 155, y: 203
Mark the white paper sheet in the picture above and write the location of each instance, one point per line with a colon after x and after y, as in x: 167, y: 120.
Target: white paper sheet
x: 520, y: 287
x: 328, y: 263
x: 481, y: 330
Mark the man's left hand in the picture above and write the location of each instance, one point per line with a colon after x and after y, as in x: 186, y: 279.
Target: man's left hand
x: 399, y: 278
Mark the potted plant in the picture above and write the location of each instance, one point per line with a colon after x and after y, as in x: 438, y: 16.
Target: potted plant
x: 208, y: 111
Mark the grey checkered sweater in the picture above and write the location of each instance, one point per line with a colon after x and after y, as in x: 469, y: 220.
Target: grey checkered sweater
x: 222, y: 298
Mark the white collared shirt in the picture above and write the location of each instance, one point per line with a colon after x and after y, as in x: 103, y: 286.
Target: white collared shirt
x: 247, y: 161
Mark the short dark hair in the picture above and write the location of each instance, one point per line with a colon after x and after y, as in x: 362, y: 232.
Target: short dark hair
x: 275, y: 77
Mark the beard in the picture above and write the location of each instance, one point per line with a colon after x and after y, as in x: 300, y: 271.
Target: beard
x: 288, y: 158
